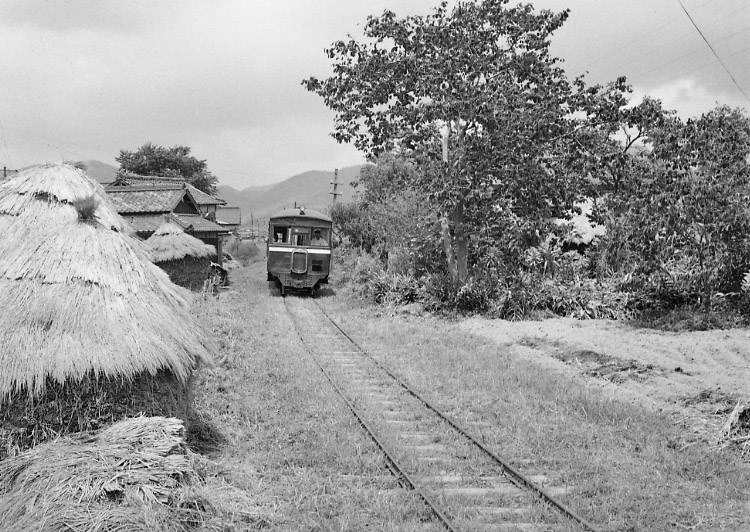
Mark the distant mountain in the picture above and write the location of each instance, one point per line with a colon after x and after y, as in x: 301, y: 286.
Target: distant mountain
x: 309, y: 189
x: 104, y: 173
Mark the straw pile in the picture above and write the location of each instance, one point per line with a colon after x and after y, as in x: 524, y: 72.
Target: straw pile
x: 185, y: 258
x: 85, y: 312
x: 136, y: 475
x: 736, y: 429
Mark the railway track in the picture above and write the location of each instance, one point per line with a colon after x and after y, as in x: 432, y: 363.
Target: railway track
x: 466, y: 485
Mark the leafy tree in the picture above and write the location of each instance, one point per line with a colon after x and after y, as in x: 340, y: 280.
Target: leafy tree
x: 690, y: 202
x: 401, y: 217
x: 474, y: 97
x: 386, y: 213
x: 175, y: 162
x: 350, y: 222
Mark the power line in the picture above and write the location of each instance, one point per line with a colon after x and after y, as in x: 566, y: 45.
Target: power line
x: 619, y: 67
x: 705, y: 65
x: 5, y: 145
x: 714, y: 51
x: 640, y: 38
x: 692, y: 52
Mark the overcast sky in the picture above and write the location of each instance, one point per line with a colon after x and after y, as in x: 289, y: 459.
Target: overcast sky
x: 82, y: 79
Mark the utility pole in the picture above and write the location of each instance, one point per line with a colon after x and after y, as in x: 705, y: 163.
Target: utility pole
x: 335, y: 184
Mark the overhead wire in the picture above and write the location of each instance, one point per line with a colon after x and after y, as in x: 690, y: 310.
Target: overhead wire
x: 705, y: 65
x: 5, y: 146
x: 639, y: 39
x: 618, y: 69
x: 75, y: 151
x: 714, y: 52
x: 693, y: 52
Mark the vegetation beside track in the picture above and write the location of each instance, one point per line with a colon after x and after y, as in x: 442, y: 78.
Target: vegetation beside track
x: 277, y: 430
x: 306, y: 465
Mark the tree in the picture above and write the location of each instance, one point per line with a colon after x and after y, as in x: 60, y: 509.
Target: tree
x: 400, y: 216
x: 175, y: 162
x: 691, y: 201
x: 473, y: 96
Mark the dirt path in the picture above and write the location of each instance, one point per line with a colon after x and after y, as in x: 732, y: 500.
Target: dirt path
x: 699, y: 375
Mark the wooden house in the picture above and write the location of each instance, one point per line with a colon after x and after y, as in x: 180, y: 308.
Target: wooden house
x: 228, y: 217
x: 146, y: 203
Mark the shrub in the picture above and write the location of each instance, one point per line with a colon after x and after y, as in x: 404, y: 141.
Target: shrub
x: 245, y: 251
x: 394, y: 289
x: 475, y: 295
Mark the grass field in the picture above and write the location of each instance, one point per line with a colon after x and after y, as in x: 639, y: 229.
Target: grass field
x: 278, y: 432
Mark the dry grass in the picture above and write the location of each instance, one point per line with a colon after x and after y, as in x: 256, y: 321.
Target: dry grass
x: 626, y: 468
x: 136, y: 475
x: 288, y: 456
x: 289, y: 442
x: 87, y: 405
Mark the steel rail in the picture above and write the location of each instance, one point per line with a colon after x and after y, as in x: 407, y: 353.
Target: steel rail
x: 512, y: 473
x: 391, y: 461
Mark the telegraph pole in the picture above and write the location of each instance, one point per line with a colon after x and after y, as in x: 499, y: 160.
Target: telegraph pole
x: 335, y: 184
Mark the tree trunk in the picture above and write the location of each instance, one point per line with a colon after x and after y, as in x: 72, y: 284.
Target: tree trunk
x: 462, y: 243
x: 456, y: 246
x: 448, y: 248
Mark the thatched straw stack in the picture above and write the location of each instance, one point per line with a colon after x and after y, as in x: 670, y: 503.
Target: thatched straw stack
x: 90, y: 329
x: 185, y: 258
x: 136, y: 476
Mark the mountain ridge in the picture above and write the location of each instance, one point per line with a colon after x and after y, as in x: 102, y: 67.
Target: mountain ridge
x: 311, y: 189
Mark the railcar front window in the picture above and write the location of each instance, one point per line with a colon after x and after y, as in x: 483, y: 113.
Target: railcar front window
x: 300, y: 236
x: 319, y: 236
x: 280, y: 234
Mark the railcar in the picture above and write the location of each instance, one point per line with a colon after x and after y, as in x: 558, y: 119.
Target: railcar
x: 299, y: 250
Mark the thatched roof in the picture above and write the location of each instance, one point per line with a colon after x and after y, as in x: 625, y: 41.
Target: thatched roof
x: 79, y: 295
x: 170, y: 242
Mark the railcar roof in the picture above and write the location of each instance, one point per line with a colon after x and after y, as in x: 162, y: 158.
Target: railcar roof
x: 301, y: 213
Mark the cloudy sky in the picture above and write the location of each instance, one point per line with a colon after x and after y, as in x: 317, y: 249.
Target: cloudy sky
x: 82, y: 79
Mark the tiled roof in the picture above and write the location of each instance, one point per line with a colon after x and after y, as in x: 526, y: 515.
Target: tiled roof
x: 145, y: 223
x: 201, y: 198
x: 151, y: 199
x: 198, y: 223
x: 128, y: 179
x: 228, y: 215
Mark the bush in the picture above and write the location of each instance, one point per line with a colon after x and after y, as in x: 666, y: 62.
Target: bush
x: 244, y: 251
x: 394, y: 289
x: 475, y: 295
